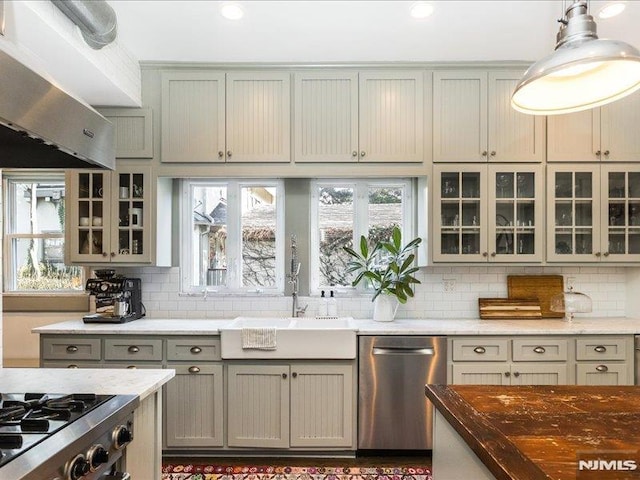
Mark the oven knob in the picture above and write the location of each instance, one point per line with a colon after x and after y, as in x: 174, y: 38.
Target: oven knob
x: 77, y: 468
x: 121, y: 436
x: 104, y: 287
x: 96, y: 456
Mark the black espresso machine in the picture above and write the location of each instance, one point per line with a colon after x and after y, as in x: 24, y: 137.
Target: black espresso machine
x: 117, y: 299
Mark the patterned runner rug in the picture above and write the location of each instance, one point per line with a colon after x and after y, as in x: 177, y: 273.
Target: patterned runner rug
x: 218, y: 472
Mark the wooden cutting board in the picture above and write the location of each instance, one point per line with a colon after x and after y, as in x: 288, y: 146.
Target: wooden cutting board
x: 542, y: 287
x: 497, y: 308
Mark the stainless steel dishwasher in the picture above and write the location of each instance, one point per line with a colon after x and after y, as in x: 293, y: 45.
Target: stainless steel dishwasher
x: 393, y: 412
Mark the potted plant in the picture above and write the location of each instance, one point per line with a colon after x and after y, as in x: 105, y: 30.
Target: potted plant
x: 388, y: 267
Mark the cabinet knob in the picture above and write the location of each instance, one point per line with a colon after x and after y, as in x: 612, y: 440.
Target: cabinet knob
x: 354, y: 153
x: 284, y: 375
x: 229, y: 153
x: 484, y: 153
x: 363, y: 153
x: 480, y: 350
x: 516, y: 374
x: 606, y: 254
x: 195, y: 350
x: 598, y: 152
x: 133, y: 349
x: 294, y: 374
x: 602, y: 368
x: 220, y: 154
x: 72, y: 349
x: 493, y: 254
x: 493, y: 153
x: 104, y: 254
x: 485, y: 254
x: 113, y: 254
x: 600, y: 349
x: 598, y: 254
x: 194, y: 370
x: 539, y: 350
x: 606, y: 153
x: 507, y: 374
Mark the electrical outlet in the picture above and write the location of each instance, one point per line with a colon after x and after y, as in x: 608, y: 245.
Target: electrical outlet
x: 571, y: 283
x: 449, y: 284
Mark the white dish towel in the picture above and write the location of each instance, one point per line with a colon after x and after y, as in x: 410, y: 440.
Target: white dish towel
x: 259, y: 338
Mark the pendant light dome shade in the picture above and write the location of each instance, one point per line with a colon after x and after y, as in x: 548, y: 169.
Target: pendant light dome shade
x: 582, y: 73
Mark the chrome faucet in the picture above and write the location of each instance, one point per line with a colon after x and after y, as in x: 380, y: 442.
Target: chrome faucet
x: 296, y: 311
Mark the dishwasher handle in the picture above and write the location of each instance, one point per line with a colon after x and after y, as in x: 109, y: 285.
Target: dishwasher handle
x: 403, y: 351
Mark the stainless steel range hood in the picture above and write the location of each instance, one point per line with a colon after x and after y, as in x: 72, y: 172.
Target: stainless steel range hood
x: 43, y: 127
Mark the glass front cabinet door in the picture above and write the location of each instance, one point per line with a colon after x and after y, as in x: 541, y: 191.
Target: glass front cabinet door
x: 109, y: 216
x: 487, y: 213
x: 620, y: 212
x: 573, y: 213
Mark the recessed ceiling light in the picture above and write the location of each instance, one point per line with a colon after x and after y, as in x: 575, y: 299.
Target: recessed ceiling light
x: 231, y: 11
x: 421, y: 10
x: 611, y: 10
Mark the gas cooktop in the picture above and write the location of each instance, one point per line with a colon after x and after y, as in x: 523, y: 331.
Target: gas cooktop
x: 45, y: 435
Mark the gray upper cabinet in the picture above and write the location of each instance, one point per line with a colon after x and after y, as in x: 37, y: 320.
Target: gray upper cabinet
x: 473, y: 120
x: 600, y: 134
x: 132, y: 128
x: 193, y: 117
x: 213, y: 117
x: 348, y: 116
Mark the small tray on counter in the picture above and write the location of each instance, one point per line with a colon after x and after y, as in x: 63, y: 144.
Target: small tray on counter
x: 503, y: 308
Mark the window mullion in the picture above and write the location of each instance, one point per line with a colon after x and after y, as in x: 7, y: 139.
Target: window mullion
x: 234, y: 236
x: 361, y: 217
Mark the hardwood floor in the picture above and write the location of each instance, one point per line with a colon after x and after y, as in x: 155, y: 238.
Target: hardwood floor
x: 385, y: 459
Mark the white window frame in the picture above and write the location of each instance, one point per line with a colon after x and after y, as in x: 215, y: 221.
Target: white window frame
x: 9, y: 181
x: 360, y: 222
x: 234, y: 237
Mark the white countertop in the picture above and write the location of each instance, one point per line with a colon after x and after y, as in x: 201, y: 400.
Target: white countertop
x: 604, y: 325
x: 142, y: 382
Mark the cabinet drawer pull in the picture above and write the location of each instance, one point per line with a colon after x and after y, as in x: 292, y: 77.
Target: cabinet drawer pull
x: 480, y: 350
x: 284, y: 375
x: 194, y: 370
x: 294, y: 375
x: 539, y: 350
x: 600, y: 349
x: 72, y: 349
x: 516, y: 374
x: 507, y: 374
x: 133, y: 349
x: 131, y: 367
x: 602, y: 368
x: 72, y: 366
x: 195, y: 350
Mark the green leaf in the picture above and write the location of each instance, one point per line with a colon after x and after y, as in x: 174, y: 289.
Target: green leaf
x: 396, y: 236
x: 364, y: 247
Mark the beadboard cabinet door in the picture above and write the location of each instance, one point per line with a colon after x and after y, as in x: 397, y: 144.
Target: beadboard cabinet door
x: 391, y: 116
x: 258, y: 117
x: 258, y: 406
x: 326, y: 117
x: 574, y: 137
x: 619, y: 139
x: 194, y: 412
x: 473, y: 120
x: 133, y: 131
x: 322, y: 407
x: 193, y: 117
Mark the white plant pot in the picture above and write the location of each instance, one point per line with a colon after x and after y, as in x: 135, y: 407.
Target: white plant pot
x: 385, y: 308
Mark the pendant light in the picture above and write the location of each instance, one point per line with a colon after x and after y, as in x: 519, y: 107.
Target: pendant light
x: 583, y: 72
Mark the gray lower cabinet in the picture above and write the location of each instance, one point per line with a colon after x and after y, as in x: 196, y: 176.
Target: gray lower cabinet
x: 541, y: 360
x: 193, y: 406
x: 293, y: 405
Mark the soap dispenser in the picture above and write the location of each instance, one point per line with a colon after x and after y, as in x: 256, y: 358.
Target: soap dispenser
x: 323, y: 305
x: 332, y: 305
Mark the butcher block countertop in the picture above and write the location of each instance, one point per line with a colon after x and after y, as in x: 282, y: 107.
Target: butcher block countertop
x: 541, y: 432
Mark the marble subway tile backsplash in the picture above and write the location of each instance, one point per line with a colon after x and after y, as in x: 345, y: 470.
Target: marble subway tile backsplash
x: 445, y: 292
